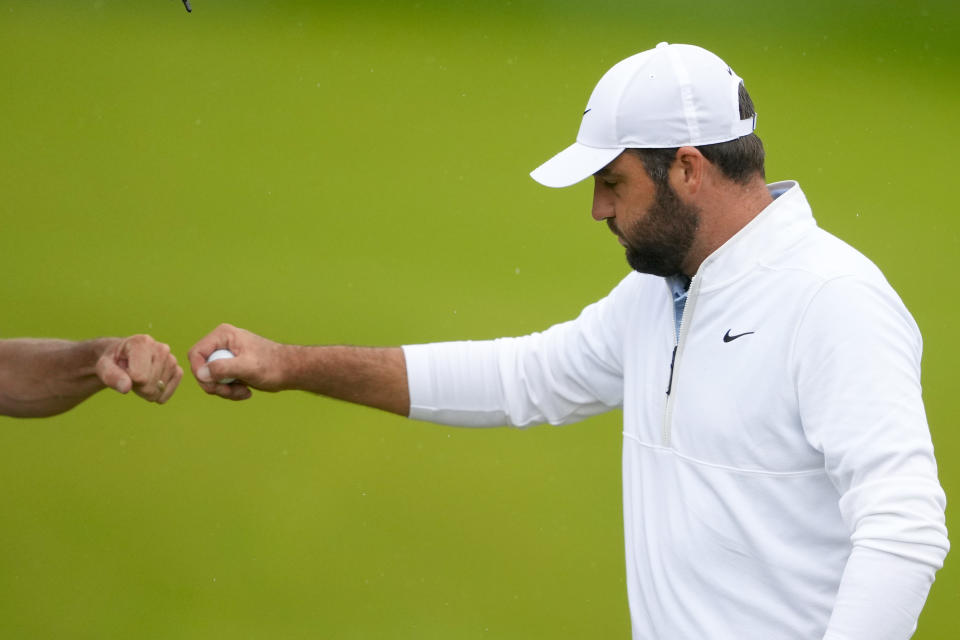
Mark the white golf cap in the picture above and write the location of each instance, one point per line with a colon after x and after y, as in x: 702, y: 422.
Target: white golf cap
x: 674, y: 95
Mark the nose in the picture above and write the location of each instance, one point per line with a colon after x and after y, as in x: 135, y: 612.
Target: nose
x: 602, y: 200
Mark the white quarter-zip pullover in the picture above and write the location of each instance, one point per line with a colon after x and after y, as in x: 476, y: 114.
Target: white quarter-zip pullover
x: 785, y: 487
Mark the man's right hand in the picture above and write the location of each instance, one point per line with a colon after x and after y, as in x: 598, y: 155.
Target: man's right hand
x: 371, y: 376
x: 258, y: 363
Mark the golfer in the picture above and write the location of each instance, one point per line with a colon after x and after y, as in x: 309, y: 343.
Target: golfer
x: 45, y: 377
x: 779, y: 480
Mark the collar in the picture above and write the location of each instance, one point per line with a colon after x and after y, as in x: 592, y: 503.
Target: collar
x: 779, y: 226
x: 678, y: 284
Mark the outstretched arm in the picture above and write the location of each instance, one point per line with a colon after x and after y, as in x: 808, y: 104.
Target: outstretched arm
x: 44, y: 377
x: 375, y: 377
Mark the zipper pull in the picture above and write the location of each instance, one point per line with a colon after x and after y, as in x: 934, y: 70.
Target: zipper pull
x: 673, y: 359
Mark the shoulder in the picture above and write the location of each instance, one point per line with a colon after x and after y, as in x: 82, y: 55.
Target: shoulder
x: 635, y: 297
x: 635, y: 283
x: 826, y: 257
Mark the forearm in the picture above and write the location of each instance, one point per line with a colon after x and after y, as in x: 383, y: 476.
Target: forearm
x: 375, y: 377
x: 456, y: 383
x: 371, y: 376
x: 44, y: 377
x: 880, y: 597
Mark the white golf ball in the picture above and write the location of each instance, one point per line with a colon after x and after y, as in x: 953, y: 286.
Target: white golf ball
x: 220, y: 354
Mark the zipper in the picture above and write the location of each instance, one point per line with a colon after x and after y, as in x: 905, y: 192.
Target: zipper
x: 681, y: 335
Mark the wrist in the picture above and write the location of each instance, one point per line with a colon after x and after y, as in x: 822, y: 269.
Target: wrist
x: 290, y: 363
x: 96, y: 349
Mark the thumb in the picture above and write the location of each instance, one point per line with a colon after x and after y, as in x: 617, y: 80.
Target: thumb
x: 222, y: 371
x: 113, y: 376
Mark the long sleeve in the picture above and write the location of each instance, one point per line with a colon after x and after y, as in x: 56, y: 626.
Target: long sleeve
x: 569, y: 372
x: 858, y: 374
x: 880, y: 597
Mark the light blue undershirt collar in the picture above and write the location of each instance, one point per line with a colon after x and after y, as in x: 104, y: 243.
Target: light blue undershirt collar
x: 679, y: 284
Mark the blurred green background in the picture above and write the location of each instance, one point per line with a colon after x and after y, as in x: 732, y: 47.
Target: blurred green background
x: 357, y: 172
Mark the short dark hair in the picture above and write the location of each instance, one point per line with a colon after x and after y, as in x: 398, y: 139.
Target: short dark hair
x: 739, y: 159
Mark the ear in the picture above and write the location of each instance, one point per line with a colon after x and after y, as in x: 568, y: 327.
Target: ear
x: 687, y: 171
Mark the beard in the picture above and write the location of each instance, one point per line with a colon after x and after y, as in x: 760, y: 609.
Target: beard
x: 659, y: 242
